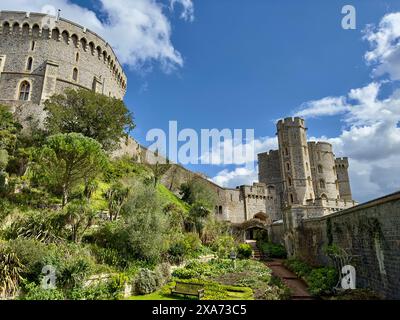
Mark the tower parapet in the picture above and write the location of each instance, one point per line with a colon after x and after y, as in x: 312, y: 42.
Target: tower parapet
x: 42, y: 55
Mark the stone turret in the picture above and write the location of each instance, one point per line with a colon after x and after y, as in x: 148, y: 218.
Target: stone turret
x: 295, y: 161
x: 323, y: 170
x: 342, y: 166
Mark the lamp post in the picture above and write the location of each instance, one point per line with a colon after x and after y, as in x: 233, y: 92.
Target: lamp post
x: 233, y: 258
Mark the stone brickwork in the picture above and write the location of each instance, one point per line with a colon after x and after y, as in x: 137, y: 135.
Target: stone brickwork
x: 51, y: 55
x: 305, y: 173
x: 370, y: 233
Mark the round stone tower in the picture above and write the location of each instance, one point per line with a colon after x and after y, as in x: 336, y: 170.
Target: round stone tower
x: 41, y: 55
x: 323, y: 170
x: 295, y: 161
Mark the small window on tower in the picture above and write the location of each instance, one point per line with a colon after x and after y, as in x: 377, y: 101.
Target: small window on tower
x: 320, y: 169
x: 75, y: 74
x: 291, y: 198
x: 290, y: 181
x: 33, y: 45
x: 29, y: 64
x: 287, y: 166
x: 77, y: 57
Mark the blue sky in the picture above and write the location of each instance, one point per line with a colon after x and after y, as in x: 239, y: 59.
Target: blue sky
x: 242, y: 64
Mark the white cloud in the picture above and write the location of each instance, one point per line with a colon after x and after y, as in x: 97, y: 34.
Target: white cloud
x: 238, y: 176
x: 138, y: 30
x: 384, y: 40
x: 328, y: 106
x: 188, y: 9
x: 238, y: 153
x: 371, y: 139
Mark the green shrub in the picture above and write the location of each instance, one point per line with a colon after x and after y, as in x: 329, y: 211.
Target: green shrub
x: 32, y: 291
x: 299, y: 267
x: 183, y: 273
x: 223, y: 246
x: 147, y: 281
x: 40, y: 225
x: 244, y: 251
x: 321, y: 281
x: 109, y: 290
x: 273, y: 250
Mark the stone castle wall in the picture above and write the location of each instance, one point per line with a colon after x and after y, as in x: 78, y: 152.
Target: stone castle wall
x: 369, y: 232
x: 51, y: 55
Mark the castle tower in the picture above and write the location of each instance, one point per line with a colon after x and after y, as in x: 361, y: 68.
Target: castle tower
x: 295, y: 161
x: 323, y: 170
x: 342, y: 166
x: 41, y: 55
x: 269, y: 172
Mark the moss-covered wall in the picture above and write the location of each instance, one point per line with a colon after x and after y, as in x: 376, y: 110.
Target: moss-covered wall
x: 369, y: 232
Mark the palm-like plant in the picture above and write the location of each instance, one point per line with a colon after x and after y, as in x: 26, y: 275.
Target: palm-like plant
x: 116, y: 197
x: 10, y: 273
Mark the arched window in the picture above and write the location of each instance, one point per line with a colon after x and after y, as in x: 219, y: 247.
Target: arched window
x: 75, y: 74
x: 290, y: 181
x: 77, y: 57
x: 322, y: 183
x: 29, y: 64
x: 320, y: 170
x: 24, y: 91
x: 65, y: 36
x: 33, y: 44
x: 288, y: 166
x: 291, y: 198
x: 55, y: 34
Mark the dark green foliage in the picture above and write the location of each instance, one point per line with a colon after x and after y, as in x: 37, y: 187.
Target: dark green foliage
x: 68, y: 160
x: 140, y: 232
x: 244, y: 251
x: 272, y: 250
x: 197, y: 190
x: 9, y: 129
x: 299, y: 267
x: 116, y: 196
x: 43, y: 225
x: 79, y: 216
x: 321, y: 281
x: 92, y: 114
x: 32, y: 291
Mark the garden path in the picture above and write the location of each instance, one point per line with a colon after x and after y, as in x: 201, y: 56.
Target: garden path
x: 297, y: 286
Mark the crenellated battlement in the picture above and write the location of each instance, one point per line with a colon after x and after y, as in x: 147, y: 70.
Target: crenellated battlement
x: 45, y: 27
x: 290, y: 122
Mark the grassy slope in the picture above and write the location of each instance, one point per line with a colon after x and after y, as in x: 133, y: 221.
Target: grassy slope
x: 169, y: 197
